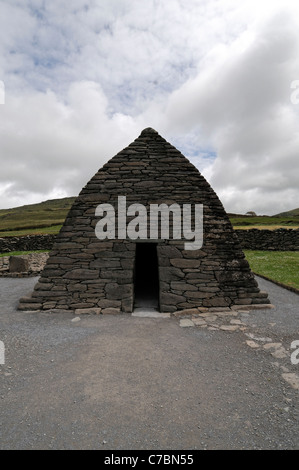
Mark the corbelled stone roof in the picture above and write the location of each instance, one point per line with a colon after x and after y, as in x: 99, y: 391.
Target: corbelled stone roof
x: 84, y: 272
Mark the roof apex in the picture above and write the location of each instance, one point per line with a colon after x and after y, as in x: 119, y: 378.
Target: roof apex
x: 149, y: 131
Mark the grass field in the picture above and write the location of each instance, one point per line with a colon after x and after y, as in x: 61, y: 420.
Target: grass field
x: 48, y: 216
x: 265, y: 222
x: 52, y: 229
x: 17, y: 253
x: 45, y: 217
x: 265, y: 227
x: 281, y: 266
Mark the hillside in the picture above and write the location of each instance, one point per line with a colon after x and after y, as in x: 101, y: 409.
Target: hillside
x: 48, y: 216
x: 35, y: 216
x: 292, y: 213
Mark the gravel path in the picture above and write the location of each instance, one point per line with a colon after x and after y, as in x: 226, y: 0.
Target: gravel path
x: 124, y: 382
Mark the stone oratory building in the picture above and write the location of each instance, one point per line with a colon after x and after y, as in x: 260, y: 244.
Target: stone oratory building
x: 118, y: 274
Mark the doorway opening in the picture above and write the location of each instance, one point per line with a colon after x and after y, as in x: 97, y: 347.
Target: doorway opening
x: 146, y: 279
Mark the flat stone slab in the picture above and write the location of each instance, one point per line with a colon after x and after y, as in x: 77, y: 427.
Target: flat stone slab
x: 150, y: 313
x: 88, y: 311
x: 199, y: 321
x: 185, y: 323
x: 292, y: 379
x: 229, y: 327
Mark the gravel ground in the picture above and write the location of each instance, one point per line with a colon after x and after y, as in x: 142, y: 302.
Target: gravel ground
x: 124, y: 382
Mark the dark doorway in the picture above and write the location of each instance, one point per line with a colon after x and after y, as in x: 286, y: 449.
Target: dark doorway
x: 146, y: 281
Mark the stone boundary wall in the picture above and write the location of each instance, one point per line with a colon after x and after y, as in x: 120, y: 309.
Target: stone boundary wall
x: 26, y: 243
x: 269, y: 240
x: 251, y: 239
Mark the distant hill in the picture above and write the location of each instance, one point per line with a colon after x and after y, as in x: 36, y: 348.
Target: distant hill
x: 48, y: 216
x: 43, y: 214
x: 292, y: 213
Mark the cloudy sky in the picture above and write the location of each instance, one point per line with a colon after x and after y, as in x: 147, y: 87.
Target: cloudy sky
x: 83, y: 78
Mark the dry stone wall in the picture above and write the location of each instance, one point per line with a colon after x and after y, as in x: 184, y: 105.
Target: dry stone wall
x: 84, y: 273
x: 269, y: 240
x: 251, y: 239
x: 26, y: 243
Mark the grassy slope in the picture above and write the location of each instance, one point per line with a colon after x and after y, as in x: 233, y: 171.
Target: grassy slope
x: 17, y: 253
x: 35, y: 218
x: 48, y: 216
x: 292, y: 213
x: 265, y: 221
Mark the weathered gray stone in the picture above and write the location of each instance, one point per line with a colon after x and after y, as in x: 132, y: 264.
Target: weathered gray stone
x: 86, y: 272
x: 105, y: 303
x: 186, y: 312
x: 88, y: 311
x: 18, y: 264
x: 200, y: 295
x: 117, y: 292
x: 43, y: 286
x: 185, y: 263
x: 105, y: 263
x: 28, y: 306
x: 82, y: 305
x: 110, y: 311
x: 125, y: 274
x: 49, y: 305
x: 82, y: 274
x: 168, y: 298
x: 168, y: 251
x: 170, y: 274
x: 215, y: 302
x: 186, y: 322
x: 182, y: 286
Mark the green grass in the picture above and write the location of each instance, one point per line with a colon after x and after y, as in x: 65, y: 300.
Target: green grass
x: 281, y: 266
x: 35, y: 218
x: 16, y: 253
x: 48, y: 216
x: 53, y: 229
x: 262, y: 220
x: 265, y: 227
x: 293, y: 212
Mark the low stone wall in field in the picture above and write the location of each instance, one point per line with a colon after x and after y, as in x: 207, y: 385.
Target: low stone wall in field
x: 269, y: 240
x: 251, y: 239
x: 26, y: 243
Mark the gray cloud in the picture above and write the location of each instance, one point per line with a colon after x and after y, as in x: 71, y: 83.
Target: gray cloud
x: 83, y: 78
x: 242, y: 105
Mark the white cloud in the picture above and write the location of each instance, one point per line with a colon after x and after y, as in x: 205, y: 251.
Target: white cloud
x: 213, y: 77
x: 54, y: 146
x: 242, y: 106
